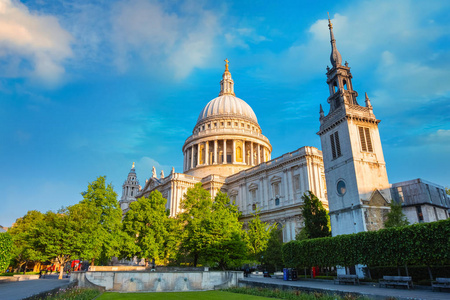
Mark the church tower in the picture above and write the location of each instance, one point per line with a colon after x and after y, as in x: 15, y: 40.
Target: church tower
x: 130, y: 188
x: 355, y: 171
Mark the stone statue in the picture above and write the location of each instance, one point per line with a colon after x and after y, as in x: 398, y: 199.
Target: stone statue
x: 153, y: 172
x: 162, y: 173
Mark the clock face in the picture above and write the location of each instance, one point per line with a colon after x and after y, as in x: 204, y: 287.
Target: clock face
x: 341, y: 188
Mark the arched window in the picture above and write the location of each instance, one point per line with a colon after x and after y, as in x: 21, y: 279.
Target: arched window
x: 239, y: 153
x: 335, y: 87
x: 345, y: 84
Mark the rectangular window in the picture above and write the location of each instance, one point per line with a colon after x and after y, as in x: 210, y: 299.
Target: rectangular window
x: 335, y: 145
x: 419, y: 214
x: 366, y: 142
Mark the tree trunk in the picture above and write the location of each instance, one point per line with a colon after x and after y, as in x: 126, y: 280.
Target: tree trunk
x: 398, y: 270
x: 195, y: 259
x: 406, y: 269
x: 429, y: 272
x: 92, y: 262
x: 25, y: 267
x: 61, y: 272
x: 368, y: 273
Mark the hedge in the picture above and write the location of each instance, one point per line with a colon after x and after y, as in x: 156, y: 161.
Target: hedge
x: 5, y: 250
x: 419, y: 244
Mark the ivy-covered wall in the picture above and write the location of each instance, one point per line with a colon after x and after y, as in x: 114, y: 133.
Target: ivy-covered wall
x: 5, y: 250
x: 418, y: 244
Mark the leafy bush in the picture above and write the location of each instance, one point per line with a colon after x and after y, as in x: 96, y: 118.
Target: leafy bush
x: 418, y: 244
x: 288, y: 294
x: 5, y: 250
x: 75, y: 293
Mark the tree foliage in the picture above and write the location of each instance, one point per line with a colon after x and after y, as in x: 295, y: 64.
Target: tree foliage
x: 257, y: 236
x: 224, y: 234
x: 273, y: 256
x: 418, y: 244
x: 101, y: 197
x: 23, y: 250
x: 396, y: 217
x: 151, y: 231
x: 315, y: 217
x: 5, y: 250
x: 212, y: 233
x: 70, y: 233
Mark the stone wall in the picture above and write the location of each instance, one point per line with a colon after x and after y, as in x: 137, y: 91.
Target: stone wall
x: 157, y: 281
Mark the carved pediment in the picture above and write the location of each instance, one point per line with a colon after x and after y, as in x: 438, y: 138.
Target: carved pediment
x: 233, y: 193
x: 275, y: 179
x: 377, y: 199
x: 252, y: 187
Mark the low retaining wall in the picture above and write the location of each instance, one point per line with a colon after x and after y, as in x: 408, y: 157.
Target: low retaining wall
x: 157, y: 281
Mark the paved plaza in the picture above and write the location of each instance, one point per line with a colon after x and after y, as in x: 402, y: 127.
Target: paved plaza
x: 372, y: 291
x: 22, y: 289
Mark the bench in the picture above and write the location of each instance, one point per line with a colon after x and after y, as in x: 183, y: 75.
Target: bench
x: 441, y: 283
x: 353, y: 279
x: 397, y: 281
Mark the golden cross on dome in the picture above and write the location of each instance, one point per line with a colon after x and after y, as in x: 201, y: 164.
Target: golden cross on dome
x: 226, y: 64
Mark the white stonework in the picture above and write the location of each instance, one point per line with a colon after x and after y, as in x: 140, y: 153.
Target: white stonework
x: 358, y: 187
x: 130, y: 189
x: 228, y: 152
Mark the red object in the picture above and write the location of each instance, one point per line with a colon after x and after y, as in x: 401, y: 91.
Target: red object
x: 76, y: 265
x: 315, y: 271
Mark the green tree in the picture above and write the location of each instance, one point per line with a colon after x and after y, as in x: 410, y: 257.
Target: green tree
x: 102, y: 197
x: 5, y: 250
x: 70, y: 233
x: 396, y: 217
x: 224, y: 234
x: 257, y: 236
x: 315, y: 217
x: 196, y: 207
x: 152, y: 231
x: 447, y: 190
x: 273, y: 256
x: 23, y: 239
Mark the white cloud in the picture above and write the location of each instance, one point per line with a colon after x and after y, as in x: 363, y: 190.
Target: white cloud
x: 32, y: 45
x: 152, y: 33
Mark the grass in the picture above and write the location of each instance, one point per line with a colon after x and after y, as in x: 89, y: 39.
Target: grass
x: 21, y: 273
x: 216, y: 295
x: 291, y: 294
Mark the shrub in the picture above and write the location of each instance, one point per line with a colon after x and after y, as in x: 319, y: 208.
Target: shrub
x: 5, y: 250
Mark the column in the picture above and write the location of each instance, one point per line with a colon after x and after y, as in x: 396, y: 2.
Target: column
x: 198, y: 154
x: 251, y: 154
x: 192, y: 157
x: 286, y: 190
x: 234, y: 152
x: 243, y: 152
x: 264, y: 153
x: 259, y: 153
x: 215, y: 152
x: 224, y: 151
x: 207, y: 153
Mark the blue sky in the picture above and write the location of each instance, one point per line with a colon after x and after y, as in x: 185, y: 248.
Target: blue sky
x: 88, y: 88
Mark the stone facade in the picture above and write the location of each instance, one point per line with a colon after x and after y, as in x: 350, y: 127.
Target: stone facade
x: 130, y: 189
x: 354, y: 163
x: 228, y: 152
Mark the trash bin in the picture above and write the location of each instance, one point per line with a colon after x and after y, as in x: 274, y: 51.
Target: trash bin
x: 285, y: 274
x: 294, y: 274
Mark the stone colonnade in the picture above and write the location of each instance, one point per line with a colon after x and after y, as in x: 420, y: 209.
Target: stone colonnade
x: 238, y: 151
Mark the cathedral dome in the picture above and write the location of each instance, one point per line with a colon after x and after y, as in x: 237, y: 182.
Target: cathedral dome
x: 227, y: 106
x: 227, y: 137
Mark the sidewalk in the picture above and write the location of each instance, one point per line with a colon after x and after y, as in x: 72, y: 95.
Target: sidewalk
x: 23, y: 289
x: 372, y: 291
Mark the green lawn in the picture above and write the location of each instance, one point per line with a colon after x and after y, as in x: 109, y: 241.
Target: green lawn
x: 216, y: 295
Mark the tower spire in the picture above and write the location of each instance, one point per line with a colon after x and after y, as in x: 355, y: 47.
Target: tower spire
x: 335, y: 57
x: 227, y: 83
